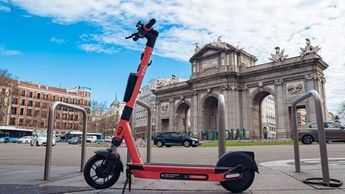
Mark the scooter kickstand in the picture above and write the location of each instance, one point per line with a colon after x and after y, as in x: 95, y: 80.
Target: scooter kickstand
x: 128, y: 180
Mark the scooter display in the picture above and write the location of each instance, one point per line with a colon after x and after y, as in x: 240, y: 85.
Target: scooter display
x: 235, y: 170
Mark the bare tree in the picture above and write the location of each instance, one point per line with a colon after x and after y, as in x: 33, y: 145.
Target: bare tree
x: 341, y: 111
x: 7, y: 88
x: 98, y: 116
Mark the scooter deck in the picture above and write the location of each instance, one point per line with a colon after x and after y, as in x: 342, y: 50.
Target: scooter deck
x: 176, y: 171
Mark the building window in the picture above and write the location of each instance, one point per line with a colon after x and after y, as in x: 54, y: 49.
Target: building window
x: 14, y: 100
x: 45, y: 96
x: 38, y: 95
x: 14, y: 110
x: 38, y: 104
x: 12, y: 121
x: 23, y: 92
x: 44, y: 114
x: 72, y: 100
x: 29, y: 112
x: 60, y: 98
x: 31, y: 94
x: 21, y: 121
x: 21, y: 111
x: 66, y: 100
x: 30, y: 103
x: 23, y: 102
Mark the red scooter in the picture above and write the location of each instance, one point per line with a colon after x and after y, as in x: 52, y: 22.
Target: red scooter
x: 235, y: 171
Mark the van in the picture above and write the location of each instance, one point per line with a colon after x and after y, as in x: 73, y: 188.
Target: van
x: 91, y: 139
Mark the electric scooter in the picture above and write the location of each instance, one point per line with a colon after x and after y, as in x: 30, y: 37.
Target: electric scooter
x: 235, y: 171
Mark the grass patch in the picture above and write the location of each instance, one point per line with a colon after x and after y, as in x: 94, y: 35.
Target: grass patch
x: 245, y: 143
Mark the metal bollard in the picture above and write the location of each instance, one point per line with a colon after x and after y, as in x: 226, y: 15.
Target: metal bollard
x: 221, y: 126
x: 149, y: 129
x: 47, y: 163
x: 326, y: 181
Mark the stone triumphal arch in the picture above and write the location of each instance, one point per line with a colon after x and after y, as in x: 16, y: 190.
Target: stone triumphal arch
x: 218, y: 67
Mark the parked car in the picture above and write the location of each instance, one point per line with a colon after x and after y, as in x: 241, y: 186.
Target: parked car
x: 41, y: 139
x: 91, y: 139
x: 58, y: 139
x: 75, y: 140
x: 334, y: 132
x: 8, y: 139
x: 175, y: 138
x: 5, y: 139
x: 25, y: 139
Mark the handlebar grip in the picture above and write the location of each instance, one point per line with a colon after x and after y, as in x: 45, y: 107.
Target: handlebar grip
x: 150, y: 23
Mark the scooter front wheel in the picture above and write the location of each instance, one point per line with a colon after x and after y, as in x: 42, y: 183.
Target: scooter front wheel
x: 97, y: 175
x: 247, y: 177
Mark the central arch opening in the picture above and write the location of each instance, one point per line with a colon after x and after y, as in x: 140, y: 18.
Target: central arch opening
x: 210, y: 109
x: 263, y: 116
x: 183, y: 118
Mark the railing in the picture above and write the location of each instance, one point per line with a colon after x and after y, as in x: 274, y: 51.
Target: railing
x: 47, y: 164
x: 326, y: 181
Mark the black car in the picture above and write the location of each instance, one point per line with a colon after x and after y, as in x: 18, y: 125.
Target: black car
x: 175, y: 138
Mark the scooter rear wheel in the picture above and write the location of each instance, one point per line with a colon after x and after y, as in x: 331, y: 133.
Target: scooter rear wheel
x: 247, y: 178
x: 96, y: 175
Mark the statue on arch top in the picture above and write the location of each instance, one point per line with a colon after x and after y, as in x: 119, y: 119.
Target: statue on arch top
x: 308, y: 49
x: 278, y: 56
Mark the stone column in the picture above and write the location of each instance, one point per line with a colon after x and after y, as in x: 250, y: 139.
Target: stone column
x: 311, y: 84
x: 171, y: 114
x: 245, y: 108
x: 282, y: 112
x: 194, y: 112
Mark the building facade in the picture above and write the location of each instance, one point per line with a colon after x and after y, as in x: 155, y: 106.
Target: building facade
x: 30, y: 104
x: 268, y: 117
x: 220, y: 68
x: 146, y: 95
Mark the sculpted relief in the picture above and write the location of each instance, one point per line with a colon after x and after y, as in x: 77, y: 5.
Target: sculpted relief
x: 209, y: 64
x: 294, y: 89
x: 164, y: 107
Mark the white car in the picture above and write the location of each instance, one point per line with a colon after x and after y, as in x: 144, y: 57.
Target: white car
x: 41, y: 139
x: 25, y: 139
x: 91, y: 139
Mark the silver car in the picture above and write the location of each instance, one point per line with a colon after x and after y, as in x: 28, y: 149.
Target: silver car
x: 334, y: 132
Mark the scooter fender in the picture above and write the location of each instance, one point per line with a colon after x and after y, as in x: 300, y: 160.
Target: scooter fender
x: 114, y: 159
x: 246, y: 158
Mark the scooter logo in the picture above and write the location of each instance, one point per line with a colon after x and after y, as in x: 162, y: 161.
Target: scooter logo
x: 119, y: 131
x: 144, y: 71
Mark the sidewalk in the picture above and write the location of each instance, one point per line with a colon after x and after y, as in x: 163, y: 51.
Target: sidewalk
x: 274, y: 177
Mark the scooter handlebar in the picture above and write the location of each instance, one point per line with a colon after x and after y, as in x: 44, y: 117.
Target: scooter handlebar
x: 150, y: 24
x: 145, y: 31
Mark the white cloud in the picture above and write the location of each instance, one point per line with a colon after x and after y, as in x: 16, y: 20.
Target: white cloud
x: 5, y: 9
x: 258, y: 26
x: 7, y: 52
x: 58, y: 40
x: 97, y: 48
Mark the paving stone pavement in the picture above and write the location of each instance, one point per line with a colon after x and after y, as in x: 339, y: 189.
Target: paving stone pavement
x: 271, y: 179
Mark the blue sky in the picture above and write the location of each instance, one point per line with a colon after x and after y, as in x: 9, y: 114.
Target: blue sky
x: 72, y: 42
x: 49, y: 53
